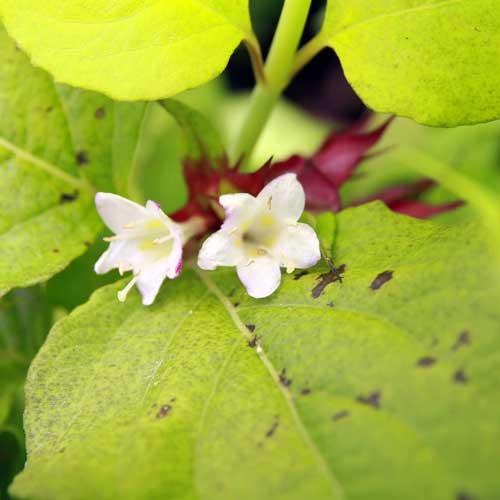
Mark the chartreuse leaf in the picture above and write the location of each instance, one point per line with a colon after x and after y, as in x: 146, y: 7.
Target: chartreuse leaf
x: 315, y: 392
x: 131, y: 49
x: 435, y: 61
x: 57, y: 146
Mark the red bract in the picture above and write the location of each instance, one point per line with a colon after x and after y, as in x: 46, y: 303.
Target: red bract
x: 403, y: 199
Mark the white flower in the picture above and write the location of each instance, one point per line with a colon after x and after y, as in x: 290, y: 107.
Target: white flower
x: 261, y: 234
x: 146, y: 242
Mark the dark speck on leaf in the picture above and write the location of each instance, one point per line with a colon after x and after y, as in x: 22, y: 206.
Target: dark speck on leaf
x: 463, y: 495
x: 100, y: 113
x: 305, y: 391
x: 253, y: 342
x: 251, y: 328
x: 381, y: 279
x: 372, y: 399
x: 326, y: 279
x: 299, y: 275
x: 87, y: 244
x: 287, y: 382
x: 340, y: 414
x: 460, y: 377
x: 426, y: 361
x: 81, y: 157
x: 272, y: 429
x: 330, y: 304
x: 55, y: 250
x: 48, y: 109
x: 231, y: 293
x: 463, y: 339
x: 68, y: 197
x: 163, y: 411
x: 236, y: 304
x: 62, y: 450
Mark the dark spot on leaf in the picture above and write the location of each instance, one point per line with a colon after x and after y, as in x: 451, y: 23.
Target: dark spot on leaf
x: 463, y: 339
x: 231, y: 293
x: 426, y: 361
x: 173, y: 400
x: 373, y: 399
x: 299, y: 275
x: 48, y: 109
x: 81, y: 157
x: 253, y: 341
x: 305, y: 391
x: 153, y: 405
x: 272, y: 429
x: 463, y: 495
x: 62, y: 450
x: 287, y: 382
x: 87, y: 243
x: 330, y: 304
x: 340, y: 414
x: 236, y: 304
x: 55, y: 250
x: 251, y: 328
x: 163, y: 411
x: 381, y: 279
x: 460, y: 377
x: 100, y: 113
x: 68, y: 197
x: 326, y: 279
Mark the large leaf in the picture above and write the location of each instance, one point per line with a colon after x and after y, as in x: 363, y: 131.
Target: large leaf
x: 57, y: 145
x: 130, y: 49
x: 382, y: 386
x: 435, y: 61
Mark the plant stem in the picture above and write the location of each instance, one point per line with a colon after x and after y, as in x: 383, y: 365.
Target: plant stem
x: 277, y: 70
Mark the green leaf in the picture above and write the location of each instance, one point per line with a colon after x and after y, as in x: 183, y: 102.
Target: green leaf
x: 131, y: 49
x: 57, y: 146
x: 202, y: 140
x: 435, y: 61
x: 394, y: 369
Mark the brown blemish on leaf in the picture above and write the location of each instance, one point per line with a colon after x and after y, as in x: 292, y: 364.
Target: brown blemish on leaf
x: 55, y: 250
x: 373, y: 399
x: 272, y: 429
x: 326, y: 279
x: 381, y: 279
x: 459, y: 377
x: 340, y: 414
x: 463, y: 495
x: 330, y: 304
x: 463, y: 339
x: 305, y: 391
x: 68, y: 197
x: 81, y: 157
x: 48, y: 109
x: 253, y: 341
x: 287, y: 382
x: 62, y: 450
x: 299, y: 275
x: 426, y: 361
x: 236, y: 304
x: 100, y: 113
x: 251, y: 328
x: 87, y: 243
x: 163, y: 411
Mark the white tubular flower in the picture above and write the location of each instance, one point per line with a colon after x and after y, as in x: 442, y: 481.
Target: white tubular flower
x: 146, y: 242
x: 261, y: 234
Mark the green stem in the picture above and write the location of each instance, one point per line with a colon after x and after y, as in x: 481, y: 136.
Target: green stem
x: 277, y: 70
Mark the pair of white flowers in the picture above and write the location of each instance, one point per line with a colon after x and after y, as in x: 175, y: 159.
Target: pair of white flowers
x: 259, y: 236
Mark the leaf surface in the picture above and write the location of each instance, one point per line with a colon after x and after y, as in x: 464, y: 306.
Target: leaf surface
x: 57, y: 146
x: 435, y: 61
x: 130, y: 49
x: 394, y: 369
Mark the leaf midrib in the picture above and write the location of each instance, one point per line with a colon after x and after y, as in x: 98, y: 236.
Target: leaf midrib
x: 337, y: 490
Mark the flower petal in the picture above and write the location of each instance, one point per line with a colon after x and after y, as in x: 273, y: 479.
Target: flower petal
x: 118, y: 253
x: 238, y: 208
x: 261, y: 277
x: 285, y: 196
x: 219, y: 249
x: 150, y: 279
x: 116, y: 211
x: 297, y: 246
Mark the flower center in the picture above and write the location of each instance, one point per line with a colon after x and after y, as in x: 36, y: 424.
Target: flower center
x: 261, y: 235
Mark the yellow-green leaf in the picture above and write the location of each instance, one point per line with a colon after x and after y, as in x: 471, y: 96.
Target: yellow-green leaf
x: 130, y: 49
x: 436, y: 61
